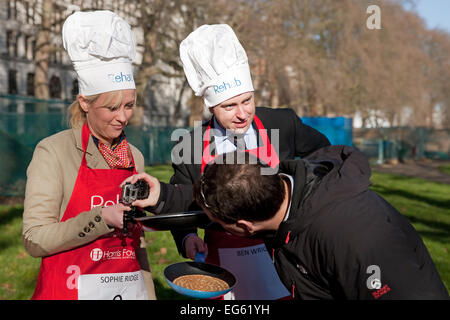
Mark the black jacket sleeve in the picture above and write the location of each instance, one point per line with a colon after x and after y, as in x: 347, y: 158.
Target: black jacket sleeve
x: 176, y: 197
x: 181, y: 178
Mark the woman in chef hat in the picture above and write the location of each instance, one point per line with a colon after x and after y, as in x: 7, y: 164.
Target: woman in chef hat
x: 72, y: 217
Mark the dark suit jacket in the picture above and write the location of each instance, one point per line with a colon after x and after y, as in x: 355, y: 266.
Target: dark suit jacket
x: 295, y: 140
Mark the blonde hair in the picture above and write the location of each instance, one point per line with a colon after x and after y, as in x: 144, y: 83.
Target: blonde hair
x: 77, y: 116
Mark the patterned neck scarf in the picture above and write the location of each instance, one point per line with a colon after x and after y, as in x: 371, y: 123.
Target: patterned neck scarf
x: 117, y: 156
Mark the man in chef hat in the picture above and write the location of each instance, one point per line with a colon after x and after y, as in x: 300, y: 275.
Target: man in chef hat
x: 217, y: 69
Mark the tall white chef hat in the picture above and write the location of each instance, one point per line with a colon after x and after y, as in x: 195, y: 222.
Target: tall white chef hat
x: 101, y: 47
x: 215, y: 64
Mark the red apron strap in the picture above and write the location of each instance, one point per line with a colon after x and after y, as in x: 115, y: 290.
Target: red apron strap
x: 267, y: 152
x: 84, y: 141
x: 206, y: 156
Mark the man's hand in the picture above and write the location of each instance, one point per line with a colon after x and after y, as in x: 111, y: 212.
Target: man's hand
x: 194, y: 244
x: 155, y: 189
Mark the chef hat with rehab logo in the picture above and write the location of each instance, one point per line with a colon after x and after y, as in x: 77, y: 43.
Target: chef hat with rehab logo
x: 215, y: 64
x: 101, y: 47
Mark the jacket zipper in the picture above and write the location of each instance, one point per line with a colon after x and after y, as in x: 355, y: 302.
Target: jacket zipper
x: 292, y: 289
x: 287, y: 238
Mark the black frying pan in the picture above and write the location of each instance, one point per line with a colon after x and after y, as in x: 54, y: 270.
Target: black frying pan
x: 179, y: 220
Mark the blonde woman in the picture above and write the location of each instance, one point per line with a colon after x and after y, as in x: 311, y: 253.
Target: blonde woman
x: 72, y: 217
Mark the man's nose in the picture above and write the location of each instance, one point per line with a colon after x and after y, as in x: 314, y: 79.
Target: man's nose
x: 240, y: 111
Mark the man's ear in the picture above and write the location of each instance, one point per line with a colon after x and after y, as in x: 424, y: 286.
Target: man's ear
x: 247, y: 225
x: 84, y: 104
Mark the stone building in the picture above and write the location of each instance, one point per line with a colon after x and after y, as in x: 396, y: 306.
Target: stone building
x: 19, y: 22
x: 19, y: 25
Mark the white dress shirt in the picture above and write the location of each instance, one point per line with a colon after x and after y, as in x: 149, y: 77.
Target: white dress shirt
x: 224, y: 145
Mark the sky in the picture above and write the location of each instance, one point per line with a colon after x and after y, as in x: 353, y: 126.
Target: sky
x: 436, y: 13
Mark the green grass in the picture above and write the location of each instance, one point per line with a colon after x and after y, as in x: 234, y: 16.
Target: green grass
x: 445, y: 169
x: 18, y: 271
x: 161, y: 172
x: 426, y: 204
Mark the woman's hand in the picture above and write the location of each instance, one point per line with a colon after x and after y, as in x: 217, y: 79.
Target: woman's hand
x: 155, y: 189
x: 113, y: 215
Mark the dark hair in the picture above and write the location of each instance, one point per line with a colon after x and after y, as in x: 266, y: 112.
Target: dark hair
x: 232, y: 191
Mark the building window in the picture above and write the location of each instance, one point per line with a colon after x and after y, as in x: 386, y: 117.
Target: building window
x: 55, y: 87
x: 12, y: 9
x: 16, y: 45
x: 30, y: 84
x: 34, y: 12
x: 33, y: 48
x: 12, y: 39
x: 27, y: 12
x: 12, y: 82
x: 8, y: 10
x: 11, y: 43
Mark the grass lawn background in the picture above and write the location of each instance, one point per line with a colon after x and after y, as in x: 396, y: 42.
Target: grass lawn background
x: 426, y: 204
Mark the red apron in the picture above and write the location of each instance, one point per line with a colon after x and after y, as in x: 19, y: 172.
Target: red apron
x: 246, y: 258
x: 106, y: 268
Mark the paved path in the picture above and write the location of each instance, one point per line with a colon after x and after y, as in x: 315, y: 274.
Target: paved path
x: 426, y: 169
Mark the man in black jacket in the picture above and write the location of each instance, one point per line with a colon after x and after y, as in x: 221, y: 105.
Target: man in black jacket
x: 217, y: 69
x: 329, y: 235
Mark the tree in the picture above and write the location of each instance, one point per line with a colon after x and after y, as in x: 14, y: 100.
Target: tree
x: 42, y: 51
